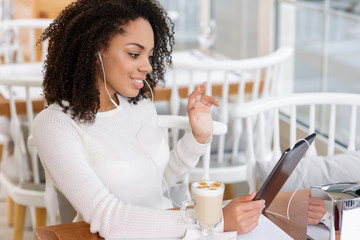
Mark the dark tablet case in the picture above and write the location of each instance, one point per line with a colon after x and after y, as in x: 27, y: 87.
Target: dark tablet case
x: 282, y: 170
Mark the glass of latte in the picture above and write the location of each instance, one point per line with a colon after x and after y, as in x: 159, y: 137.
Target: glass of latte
x: 207, y: 206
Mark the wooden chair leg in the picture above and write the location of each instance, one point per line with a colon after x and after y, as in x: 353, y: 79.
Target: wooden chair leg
x: 40, y: 217
x: 19, y: 221
x: 9, y: 211
x: 1, y: 151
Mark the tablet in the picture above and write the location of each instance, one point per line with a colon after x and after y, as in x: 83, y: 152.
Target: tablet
x: 282, y: 170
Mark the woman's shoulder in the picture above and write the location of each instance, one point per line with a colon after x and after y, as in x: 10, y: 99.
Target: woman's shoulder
x: 54, y: 122
x: 52, y: 115
x: 53, y: 110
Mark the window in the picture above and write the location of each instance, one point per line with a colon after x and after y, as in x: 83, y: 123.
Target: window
x: 236, y: 25
x: 326, y: 38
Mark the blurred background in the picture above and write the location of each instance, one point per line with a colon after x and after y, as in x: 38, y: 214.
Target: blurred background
x: 324, y: 34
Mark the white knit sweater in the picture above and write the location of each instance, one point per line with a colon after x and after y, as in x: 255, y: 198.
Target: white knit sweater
x: 110, y: 170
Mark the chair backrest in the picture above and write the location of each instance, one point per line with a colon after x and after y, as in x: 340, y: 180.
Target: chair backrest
x: 168, y: 122
x: 18, y: 40
x: 4, y: 149
x: 303, y: 112
x: 6, y: 9
x: 263, y: 73
x: 20, y: 128
x: 240, y: 81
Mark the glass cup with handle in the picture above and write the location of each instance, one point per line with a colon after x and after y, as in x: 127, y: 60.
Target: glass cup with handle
x: 207, y: 202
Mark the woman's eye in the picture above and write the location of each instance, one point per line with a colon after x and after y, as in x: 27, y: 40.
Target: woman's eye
x: 133, y: 55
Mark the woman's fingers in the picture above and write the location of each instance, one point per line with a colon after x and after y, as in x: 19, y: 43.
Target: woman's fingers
x: 198, y: 91
x: 197, y: 97
x: 316, y: 210
x: 253, y: 206
x: 245, y: 198
x: 194, y: 97
x: 315, y: 214
x: 242, y: 214
x: 248, y: 225
x: 209, y: 101
x: 316, y: 201
x: 256, y: 206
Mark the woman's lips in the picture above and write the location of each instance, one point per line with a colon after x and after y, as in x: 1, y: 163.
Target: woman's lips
x: 138, y: 83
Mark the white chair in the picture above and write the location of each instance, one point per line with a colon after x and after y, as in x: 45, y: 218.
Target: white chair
x: 20, y: 173
x: 263, y: 74
x: 6, y: 7
x: 18, y: 40
x: 293, y: 117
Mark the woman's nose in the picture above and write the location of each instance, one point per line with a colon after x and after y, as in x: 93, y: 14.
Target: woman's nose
x: 146, y: 66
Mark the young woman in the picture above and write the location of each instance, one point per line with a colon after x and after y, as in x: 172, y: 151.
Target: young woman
x: 98, y: 138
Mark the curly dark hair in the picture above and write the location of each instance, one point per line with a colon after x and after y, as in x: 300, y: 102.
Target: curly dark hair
x: 79, y: 32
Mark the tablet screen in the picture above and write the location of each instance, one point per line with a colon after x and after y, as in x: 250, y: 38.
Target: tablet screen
x: 282, y: 170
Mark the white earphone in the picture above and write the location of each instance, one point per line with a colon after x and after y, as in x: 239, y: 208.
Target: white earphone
x: 102, y: 67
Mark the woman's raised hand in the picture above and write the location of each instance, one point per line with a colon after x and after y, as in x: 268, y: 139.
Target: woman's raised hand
x: 199, y: 111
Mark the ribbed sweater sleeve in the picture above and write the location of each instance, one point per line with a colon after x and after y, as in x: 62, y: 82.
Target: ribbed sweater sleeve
x: 184, y: 157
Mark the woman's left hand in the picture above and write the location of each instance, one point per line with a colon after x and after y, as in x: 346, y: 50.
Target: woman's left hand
x: 316, y: 210
x: 198, y: 109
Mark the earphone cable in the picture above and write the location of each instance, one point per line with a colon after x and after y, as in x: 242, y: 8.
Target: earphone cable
x: 103, y: 70
x: 151, y: 91
x: 161, y: 175
x: 292, y: 196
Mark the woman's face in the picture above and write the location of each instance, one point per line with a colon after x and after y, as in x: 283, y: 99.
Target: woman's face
x: 126, y: 61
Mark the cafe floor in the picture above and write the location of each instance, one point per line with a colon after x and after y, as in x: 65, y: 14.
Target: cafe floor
x: 6, y: 232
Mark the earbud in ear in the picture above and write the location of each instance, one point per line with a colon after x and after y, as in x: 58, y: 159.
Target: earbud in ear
x: 100, y: 58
